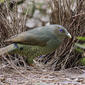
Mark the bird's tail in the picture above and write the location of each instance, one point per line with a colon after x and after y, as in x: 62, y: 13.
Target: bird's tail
x: 7, y: 49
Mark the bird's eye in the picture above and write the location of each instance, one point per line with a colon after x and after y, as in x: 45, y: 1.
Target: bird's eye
x: 61, y: 30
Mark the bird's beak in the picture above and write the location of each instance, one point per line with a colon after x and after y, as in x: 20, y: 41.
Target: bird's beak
x: 69, y: 35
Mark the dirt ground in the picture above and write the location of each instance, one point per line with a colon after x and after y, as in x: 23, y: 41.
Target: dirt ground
x: 40, y: 76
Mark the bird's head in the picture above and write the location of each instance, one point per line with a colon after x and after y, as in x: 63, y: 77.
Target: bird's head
x: 62, y: 32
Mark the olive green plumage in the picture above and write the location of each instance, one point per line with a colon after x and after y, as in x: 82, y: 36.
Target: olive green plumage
x: 37, y: 42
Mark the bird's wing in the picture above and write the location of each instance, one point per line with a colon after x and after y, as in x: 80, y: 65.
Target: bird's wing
x: 29, y: 38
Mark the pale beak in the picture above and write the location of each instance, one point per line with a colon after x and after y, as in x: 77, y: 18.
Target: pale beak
x: 69, y: 35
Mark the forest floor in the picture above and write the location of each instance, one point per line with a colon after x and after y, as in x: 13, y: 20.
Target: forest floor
x: 41, y: 76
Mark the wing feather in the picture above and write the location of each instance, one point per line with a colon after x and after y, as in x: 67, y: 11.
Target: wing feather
x: 29, y: 39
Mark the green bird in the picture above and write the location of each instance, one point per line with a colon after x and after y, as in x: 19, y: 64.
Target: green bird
x: 36, y: 42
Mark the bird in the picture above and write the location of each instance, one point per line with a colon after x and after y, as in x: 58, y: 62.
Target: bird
x: 36, y: 42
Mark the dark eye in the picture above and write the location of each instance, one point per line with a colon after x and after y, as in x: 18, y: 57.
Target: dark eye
x: 61, y: 30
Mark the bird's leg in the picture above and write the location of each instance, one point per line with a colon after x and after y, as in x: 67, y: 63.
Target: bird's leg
x: 48, y: 57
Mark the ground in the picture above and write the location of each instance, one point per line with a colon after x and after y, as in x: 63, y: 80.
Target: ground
x: 40, y: 76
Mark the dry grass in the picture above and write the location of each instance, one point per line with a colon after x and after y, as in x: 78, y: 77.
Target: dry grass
x: 70, y: 14
x: 11, y: 23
